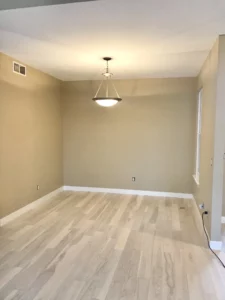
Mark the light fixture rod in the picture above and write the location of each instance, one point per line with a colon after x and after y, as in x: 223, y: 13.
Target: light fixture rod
x: 99, y: 88
x: 107, y: 66
x: 107, y: 88
x: 115, y: 90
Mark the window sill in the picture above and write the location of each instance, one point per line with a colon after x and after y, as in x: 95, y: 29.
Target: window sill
x: 196, y: 180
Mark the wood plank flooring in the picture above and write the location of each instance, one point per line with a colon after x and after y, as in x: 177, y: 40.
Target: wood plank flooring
x: 92, y: 246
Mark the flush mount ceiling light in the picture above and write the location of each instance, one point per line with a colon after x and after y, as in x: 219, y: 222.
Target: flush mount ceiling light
x: 107, y: 100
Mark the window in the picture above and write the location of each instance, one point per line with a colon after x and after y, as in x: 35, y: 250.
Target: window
x: 198, y: 143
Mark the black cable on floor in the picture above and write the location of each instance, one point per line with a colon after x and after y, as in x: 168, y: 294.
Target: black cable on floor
x: 208, y: 241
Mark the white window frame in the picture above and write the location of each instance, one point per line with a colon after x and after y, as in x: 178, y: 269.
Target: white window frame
x: 198, y: 138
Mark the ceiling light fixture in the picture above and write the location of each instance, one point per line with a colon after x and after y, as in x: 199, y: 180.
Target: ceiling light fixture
x: 107, y: 100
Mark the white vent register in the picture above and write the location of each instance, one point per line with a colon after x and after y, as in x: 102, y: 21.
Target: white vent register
x: 19, y: 69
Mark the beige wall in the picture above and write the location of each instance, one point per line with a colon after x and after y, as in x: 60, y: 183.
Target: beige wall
x: 223, y: 211
x: 149, y: 135
x: 219, y: 141
x: 30, y: 136
x: 207, y: 80
x: 210, y: 190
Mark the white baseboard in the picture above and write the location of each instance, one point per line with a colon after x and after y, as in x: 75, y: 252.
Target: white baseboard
x: 216, y: 245
x: 127, y: 192
x: 223, y: 220
x: 28, y: 207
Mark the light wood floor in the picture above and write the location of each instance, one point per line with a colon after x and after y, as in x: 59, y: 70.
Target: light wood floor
x: 90, y: 246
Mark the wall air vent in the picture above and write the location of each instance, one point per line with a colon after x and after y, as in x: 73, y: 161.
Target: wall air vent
x: 19, y: 69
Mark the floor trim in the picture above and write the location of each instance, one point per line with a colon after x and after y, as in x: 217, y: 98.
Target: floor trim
x: 215, y: 245
x: 127, y: 192
x: 28, y: 207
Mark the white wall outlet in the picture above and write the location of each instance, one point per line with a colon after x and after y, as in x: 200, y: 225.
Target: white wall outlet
x: 211, y: 162
x: 202, y: 206
x: 38, y: 187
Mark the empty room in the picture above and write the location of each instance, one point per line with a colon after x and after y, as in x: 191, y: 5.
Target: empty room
x: 112, y: 150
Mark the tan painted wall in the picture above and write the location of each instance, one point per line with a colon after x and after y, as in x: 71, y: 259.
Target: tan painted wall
x: 30, y: 136
x: 219, y: 143
x: 207, y: 80
x: 210, y: 190
x: 223, y: 211
x: 149, y: 135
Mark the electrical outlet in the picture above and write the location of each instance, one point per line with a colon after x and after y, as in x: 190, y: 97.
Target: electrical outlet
x: 202, y: 206
x: 211, y: 162
x: 133, y: 178
x: 38, y: 187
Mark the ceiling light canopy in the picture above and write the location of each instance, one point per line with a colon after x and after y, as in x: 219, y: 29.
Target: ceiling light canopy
x: 107, y: 100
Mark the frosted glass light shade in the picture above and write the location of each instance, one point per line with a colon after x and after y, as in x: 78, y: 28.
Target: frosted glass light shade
x: 107, y: 102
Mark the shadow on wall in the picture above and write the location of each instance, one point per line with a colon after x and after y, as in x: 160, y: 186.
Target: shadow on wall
x: 135, y: 87
x: 30, y: 136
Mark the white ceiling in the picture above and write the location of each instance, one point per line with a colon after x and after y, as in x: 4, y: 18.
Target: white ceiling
x: 146, y: 38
